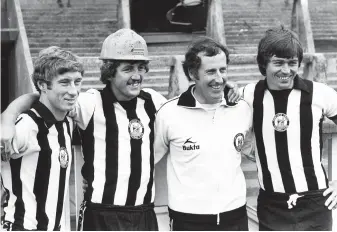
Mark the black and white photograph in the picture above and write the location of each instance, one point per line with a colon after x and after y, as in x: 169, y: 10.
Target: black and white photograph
x: 168, y: 115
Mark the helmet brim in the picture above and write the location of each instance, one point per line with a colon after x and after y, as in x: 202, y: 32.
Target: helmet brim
x: 133, y: 57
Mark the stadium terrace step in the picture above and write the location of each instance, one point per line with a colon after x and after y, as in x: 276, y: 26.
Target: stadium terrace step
x: 83, y: 28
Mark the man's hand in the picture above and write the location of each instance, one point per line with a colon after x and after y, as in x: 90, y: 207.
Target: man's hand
x: 7, y: 135
x: 331, y: 202
x: 8, y: 118
x: 84, y: 185
x: 234, y: 93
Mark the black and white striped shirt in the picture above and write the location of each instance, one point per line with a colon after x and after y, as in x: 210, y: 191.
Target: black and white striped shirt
x: 288, y: 132
x: 117, y: 142
x: 36, y: 180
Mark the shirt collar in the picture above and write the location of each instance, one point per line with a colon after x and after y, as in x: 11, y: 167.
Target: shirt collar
x: 186, y: 99
x: 108, y: 94
x: 45, y: 113
x: 299, y: 84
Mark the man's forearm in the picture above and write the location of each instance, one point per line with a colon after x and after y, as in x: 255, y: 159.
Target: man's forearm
x: 18, y: 106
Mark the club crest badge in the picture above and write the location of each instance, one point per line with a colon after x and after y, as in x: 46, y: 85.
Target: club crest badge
x: 280, y: 122
x: 63, y: 157
x: 238, y: 141
x: 136, y: 129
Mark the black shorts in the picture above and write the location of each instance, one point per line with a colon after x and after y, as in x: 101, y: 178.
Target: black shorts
x: 227, y: 221
x: 110, y: 217
x: 276, y: 212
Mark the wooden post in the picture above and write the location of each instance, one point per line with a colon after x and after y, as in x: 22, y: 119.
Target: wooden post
x: 123, y: 14
x: 178, y: 81
x: 215, y: 23
x: 300, y: 23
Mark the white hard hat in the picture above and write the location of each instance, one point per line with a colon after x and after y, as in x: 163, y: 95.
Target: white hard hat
x: 124, y: 44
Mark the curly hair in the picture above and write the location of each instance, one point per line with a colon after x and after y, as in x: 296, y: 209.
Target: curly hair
x: 280, y: 42
x: 109, y: 68
x: 208, y: 47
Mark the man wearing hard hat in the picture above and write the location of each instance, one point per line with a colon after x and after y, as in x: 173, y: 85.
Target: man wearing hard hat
x: 117, y: 130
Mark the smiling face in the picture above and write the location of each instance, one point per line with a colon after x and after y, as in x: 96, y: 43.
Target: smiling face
x: 61, y: 95
x: 127, y: 82
x: 211, y: 78
x: 280, y: 72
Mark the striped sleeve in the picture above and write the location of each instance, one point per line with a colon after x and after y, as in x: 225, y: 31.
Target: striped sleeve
x: 157, y: 98
x: 25, y: 136
x: 85, y: 108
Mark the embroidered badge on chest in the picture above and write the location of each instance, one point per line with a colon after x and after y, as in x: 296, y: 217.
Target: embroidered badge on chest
x: 238, y: 141
x: 280, y: 122
x: 63, y: 157
x: 136, y: 129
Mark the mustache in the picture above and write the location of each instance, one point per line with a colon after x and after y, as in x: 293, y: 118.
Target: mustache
x: 133, y: 80
x: 217, y: 83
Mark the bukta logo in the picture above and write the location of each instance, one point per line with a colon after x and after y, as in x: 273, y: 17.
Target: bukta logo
x: 189, y: 145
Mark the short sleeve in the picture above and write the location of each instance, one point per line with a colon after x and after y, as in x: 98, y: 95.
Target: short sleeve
x: 84, y: 108
x: 249, y: 141
x: 329, y: 101
x: 248, y: 94
x: 25, y: 136
x: 157, y: 98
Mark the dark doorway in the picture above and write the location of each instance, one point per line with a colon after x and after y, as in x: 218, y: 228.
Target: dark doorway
x: 167, y: 16
x: 6, y: 54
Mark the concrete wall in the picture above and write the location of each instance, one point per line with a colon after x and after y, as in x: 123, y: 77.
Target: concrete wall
x: 21, y: 66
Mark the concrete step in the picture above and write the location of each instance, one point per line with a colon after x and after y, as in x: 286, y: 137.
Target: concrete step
x: 79, y: 40
x: 65, y: 21
x: 66, y: 15
x: 147, y: 82
x: 74, y: 6
x: 69, y: 12
x: 74, y: 32
x: 56, y: 19
x: 60, y: 26
x: 332, y: 81
x: 159, y: 63
x: 162, y: 91
x: 68, y: 35
x: 167, y: 37
x: 154, y: 75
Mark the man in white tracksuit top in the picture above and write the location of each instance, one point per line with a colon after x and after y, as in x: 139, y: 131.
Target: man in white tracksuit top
x: 203, y: 135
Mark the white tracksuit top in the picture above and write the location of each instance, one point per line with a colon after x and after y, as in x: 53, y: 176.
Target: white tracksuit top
x: 203, y: 164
